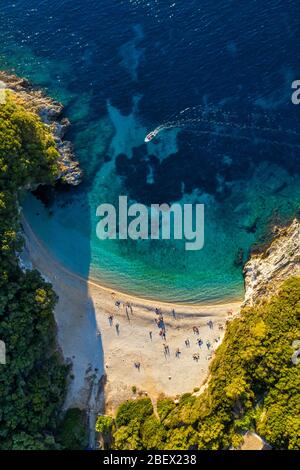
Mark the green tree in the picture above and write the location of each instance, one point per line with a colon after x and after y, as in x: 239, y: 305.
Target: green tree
x: 253, y: 385
x: 33, y: 381
x: 72, y: 432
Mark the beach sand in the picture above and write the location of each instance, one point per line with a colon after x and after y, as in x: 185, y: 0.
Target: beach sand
x: 89, y: 338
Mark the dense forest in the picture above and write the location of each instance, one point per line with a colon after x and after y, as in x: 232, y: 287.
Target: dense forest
x: 254, y: 385
x: 33, y: 380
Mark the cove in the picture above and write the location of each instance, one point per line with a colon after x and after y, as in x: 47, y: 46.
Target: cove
x: 122, y: 72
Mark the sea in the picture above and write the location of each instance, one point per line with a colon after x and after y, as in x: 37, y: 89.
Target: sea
x: 221, y: 73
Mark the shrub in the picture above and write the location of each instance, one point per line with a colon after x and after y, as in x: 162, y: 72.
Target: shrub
x: 134, y: 409
x: 253, y: 385
x: 72, y: 431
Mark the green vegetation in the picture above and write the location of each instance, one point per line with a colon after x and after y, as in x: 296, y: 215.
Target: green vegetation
x: 139, y: 409
x: 104, y: 426
x: 254, y: 386
x: 33, y: 381
x: 72, y: 431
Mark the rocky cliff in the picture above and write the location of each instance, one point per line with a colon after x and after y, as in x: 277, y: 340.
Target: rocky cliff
x: 265, y: 272
x: 50, y: 112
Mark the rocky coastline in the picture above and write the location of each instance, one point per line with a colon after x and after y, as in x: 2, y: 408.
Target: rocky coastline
x: 266, y: 271
x: 50, y: 113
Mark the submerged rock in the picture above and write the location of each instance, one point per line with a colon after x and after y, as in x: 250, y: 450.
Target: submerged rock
x: 50, y: 112
x: 265, y: 272
x: 239, y: 258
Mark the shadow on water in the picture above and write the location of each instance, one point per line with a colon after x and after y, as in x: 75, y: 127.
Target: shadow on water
x: 53, y: 218
x: 78, y: 333
x: 56, y: 214
x: 90, y: 55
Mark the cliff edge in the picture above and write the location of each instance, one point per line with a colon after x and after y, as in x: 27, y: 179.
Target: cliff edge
x: 265, y: 272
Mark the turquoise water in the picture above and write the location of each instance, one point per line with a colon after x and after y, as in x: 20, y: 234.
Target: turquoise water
x: 121, y: 71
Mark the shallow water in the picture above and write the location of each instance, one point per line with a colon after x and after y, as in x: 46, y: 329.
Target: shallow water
x: 124, y: 67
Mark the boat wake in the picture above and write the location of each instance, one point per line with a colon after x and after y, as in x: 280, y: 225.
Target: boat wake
x: 216, y: 121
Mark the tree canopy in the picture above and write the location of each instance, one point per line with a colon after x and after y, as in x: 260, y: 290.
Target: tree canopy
x: 253, y: 385
x: 33, y: 381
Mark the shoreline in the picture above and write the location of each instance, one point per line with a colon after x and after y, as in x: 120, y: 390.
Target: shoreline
x: 103, y: 341
x: 133, y: 298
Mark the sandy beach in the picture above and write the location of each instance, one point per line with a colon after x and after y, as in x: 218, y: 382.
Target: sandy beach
x: 117, y: 339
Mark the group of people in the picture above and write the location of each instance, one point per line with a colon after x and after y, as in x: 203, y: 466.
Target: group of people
x: 128, y: 311
x: 161, y: 325
x: 159, y: 320
x: 200, y: 342
x: 117, y: 325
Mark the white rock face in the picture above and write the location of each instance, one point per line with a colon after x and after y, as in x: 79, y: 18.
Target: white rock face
x: 264, y: 273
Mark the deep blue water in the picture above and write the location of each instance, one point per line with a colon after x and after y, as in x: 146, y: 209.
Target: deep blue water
x: 124, y: 67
